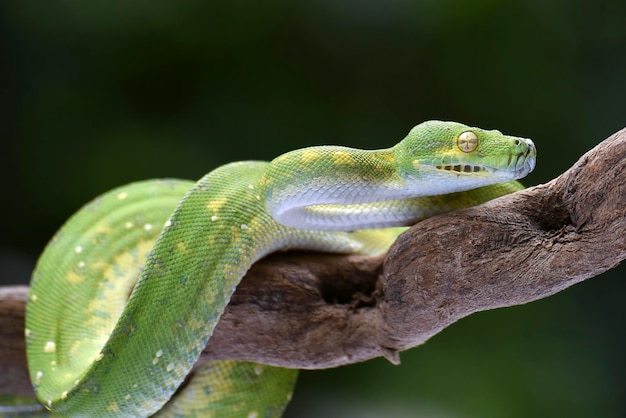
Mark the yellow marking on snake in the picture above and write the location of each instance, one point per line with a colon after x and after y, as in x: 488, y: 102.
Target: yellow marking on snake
x: 216, y: 205
x: 309, y: 156
x: 73, y: 277
x: 343, y: 158
x: 104, y: 229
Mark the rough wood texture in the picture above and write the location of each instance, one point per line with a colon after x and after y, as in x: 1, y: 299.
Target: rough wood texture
x: 315, y: 311
x: 13, y: 372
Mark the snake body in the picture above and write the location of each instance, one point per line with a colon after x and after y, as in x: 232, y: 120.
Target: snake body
x: 180, y: 248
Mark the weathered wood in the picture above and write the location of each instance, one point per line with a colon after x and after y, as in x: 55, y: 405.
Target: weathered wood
x: 13, y: 371
x: 310, y: 310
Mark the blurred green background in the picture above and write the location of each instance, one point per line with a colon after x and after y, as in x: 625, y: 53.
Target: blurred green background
x: 97, y: 94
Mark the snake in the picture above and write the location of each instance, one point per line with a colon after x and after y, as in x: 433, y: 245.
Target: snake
x: 127, y: 293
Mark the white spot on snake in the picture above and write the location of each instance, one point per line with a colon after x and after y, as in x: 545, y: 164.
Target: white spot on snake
x: 64, y: 395
x: 250, y: 186
x: 50, y: 347
x: 252, y: 414
x: 147, y: 227
x: 170, y: 367
x: 214, y: 218
x: 81, y: 264
x: 258, y: 370
x: 127, y: 397
x: 99, y: 356
x: 244, y: 227
x: 78, y: 249
x: 158, y: 354
x: 38, y: 377
x: 33, y: 298
x: 168, y: 223
x: 122, y: 195
x: 49, y: 403
x: 27, y: 332
x: 129, y: 225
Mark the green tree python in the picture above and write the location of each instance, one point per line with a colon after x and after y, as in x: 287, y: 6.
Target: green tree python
x: 180, y: 248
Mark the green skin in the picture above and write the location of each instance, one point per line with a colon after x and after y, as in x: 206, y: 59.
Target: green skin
x: 92, y: 351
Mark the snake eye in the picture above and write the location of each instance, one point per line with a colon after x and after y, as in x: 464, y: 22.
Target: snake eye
x: 467, y: 141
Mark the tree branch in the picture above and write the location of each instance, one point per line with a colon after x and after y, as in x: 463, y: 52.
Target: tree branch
x: 312, y: 311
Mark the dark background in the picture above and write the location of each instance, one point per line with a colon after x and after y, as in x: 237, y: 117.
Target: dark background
x: 97, y: 94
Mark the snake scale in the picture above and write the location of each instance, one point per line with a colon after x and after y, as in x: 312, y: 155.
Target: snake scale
x: 127, y: 293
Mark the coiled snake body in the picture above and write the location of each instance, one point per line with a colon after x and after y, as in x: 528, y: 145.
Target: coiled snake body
x: 92, y: 351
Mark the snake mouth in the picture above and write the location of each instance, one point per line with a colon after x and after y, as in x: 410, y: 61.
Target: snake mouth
x: 517, y: 165
x: 522, y: 171
x: 464, y: 169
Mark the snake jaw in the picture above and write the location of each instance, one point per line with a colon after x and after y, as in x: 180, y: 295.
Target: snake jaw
x: 517, y: 172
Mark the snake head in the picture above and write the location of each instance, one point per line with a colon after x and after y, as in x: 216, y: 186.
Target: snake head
x: 453, y: 157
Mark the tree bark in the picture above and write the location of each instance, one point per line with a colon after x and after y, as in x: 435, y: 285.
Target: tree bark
x: 312, y: 311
